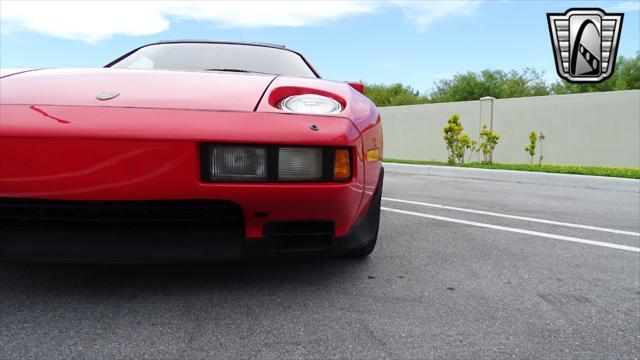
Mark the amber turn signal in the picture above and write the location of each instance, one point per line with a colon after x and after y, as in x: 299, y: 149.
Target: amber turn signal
x: 373, y: 155
x: 342, y: 165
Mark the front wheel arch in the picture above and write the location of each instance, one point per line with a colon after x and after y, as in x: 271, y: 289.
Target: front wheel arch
x: 369, y: 226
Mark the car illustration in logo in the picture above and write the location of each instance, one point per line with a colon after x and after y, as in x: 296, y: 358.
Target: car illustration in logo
x: 585, y: 43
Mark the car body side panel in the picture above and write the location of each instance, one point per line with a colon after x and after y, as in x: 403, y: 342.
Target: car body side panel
x: 371, y: 145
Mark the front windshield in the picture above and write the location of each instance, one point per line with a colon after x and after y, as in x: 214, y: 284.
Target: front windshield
x: 217, y: 57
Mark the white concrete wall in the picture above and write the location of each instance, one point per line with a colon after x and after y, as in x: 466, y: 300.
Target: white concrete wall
x: 600, y: 129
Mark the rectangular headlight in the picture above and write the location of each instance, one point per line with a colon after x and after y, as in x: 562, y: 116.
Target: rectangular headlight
x: 238, y: 162
x: 299, y: 163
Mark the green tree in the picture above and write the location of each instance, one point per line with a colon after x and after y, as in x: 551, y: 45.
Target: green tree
x: 393, y: 95
x: 628, y: 71
x: 531, y: 148
x: 496, y: 83
x: 626, y: 76
x: 502, y: 84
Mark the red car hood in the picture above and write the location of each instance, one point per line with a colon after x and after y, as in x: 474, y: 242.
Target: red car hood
x: 160, y: 89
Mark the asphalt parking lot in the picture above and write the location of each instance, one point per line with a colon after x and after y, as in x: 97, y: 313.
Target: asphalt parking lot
x: 471, y: 264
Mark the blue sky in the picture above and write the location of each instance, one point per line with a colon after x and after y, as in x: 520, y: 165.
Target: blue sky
x: 378, y: 42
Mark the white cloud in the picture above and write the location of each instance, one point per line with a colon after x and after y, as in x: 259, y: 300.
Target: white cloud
x: 83, y: 20
x: 269, y: 13
x: 423, y: 13
x: 92, y: 21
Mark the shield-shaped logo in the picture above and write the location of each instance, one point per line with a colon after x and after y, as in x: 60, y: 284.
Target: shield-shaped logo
x: 585, y: 43
x: 107, y: 95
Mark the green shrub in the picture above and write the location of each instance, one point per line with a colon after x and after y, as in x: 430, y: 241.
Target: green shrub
x: 488, y: 142
x: 457, y: 143
x: 531, y: 148
x: 452, y: 132
x: 541, y: 138
x: 466, y: 143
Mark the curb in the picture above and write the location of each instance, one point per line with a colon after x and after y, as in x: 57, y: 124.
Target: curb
x: 513, y: 176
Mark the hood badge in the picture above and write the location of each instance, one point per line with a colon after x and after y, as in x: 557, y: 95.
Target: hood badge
x: 107, y: 95
x: 314, y: 127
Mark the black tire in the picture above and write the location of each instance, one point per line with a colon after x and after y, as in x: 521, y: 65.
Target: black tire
x: 374, y: 217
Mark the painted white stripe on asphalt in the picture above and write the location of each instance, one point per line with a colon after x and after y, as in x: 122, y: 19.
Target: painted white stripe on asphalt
x: 587, y: 227
x: 515, y: 230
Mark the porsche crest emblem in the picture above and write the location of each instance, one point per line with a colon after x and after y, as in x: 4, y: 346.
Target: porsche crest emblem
x: 107, y: 95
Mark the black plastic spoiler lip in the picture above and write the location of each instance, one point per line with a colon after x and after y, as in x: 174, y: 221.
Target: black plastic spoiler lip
x: 220, y: 42
x: 281, y: 47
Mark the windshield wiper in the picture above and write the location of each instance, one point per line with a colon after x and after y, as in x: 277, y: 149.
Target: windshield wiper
x: 238, y: 71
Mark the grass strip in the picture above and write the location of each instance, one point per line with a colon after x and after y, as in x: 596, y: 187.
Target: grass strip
x: 629, y: 173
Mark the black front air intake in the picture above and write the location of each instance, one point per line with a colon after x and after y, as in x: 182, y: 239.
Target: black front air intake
x: 156, y: 216
x: 114, y: 231
x: 299, y: 235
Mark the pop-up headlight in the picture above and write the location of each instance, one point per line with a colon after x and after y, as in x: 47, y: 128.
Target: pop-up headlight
x: 311, y: 104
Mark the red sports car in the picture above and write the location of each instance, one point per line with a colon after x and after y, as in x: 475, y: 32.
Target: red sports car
x: 187, y: 150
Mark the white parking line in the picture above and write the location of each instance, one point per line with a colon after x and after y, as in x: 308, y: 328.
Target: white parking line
x: 515, y: 230
x: 587, y: 227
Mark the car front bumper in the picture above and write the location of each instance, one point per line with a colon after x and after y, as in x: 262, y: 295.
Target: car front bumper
x: 154, y: 231
x: 79, y: 156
